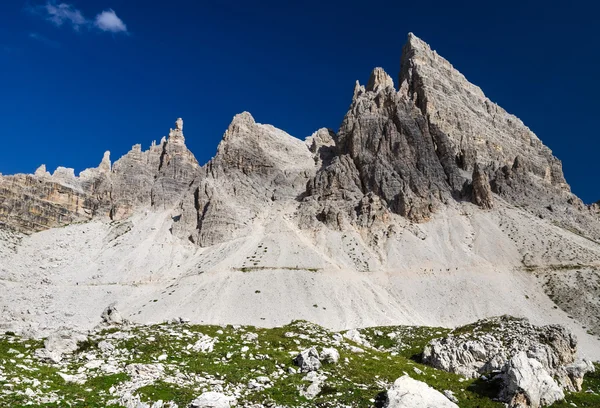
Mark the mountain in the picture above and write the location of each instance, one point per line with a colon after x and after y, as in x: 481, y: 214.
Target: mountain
x: 430, y: 205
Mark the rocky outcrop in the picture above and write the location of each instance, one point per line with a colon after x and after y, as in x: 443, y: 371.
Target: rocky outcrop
x: 157, y: 177
x: 531, y: 360
x: 527, y: 384
x: 409, y: 393
x: 388, y: 140
x: 255, y: 167
x: 176, y: 170
x: 482, y: 192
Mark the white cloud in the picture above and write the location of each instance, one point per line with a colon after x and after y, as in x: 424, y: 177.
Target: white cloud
x: 65, y: 14
x: 108, y: 21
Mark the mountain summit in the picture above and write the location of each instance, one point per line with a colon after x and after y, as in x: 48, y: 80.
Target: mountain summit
x: 430, y: 205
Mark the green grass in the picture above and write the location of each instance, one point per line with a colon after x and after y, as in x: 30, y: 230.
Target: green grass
x: 356, y: 380
x: 167, y: 392
x: 24, y: 366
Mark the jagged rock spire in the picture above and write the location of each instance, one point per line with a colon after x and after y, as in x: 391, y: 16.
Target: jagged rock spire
x: 105, y: 165
x: 176, y: 135
x: 42, y: 172
x: 379, y: 80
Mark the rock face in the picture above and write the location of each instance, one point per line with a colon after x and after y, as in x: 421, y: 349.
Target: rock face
x: 140, y: 179
x: 411, y: 151
x: 528, y: 384
x: 530, y: 358
x: 482, y: 192
x: 255, y: 167
x: 409, y: 393
x: 474, y: 126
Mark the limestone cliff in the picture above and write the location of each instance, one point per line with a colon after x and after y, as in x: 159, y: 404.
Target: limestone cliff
x: 156, y: 177
x: 432, y: 143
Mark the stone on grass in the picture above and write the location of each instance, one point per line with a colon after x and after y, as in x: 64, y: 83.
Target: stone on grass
x: 409, y: 393
x: 308, y: 360
x: 330, y: 355
x: 528, y: 384
x: 213, y: 400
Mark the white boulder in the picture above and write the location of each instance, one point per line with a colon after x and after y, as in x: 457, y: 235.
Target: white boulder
x: 330, y: 355
x: 60, y: 343
x: 528, y: 384
x: 409, y: 393
x: 213, y: 400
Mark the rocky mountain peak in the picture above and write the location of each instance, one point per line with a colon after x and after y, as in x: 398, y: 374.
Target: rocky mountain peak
x: 105, y: 164
x: 379, y: 79
x: 42, y: 172
x: 176, y: 135
x: 240, y: 124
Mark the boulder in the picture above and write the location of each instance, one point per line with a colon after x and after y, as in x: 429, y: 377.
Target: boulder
x: 213, y: 400
x: 330, y: 355
x: 576, y: 371
x: 111, y: 316
x: 308, y: 360
x: 535, y: 363
x: 60, y: 343
x: 409, y: 393
x: 528, y: 384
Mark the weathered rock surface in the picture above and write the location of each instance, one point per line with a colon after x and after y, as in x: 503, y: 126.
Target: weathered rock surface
x: 111, y: 316
x: 409, y: 393
x: 213, y: 399
x: 308, y: 360
x: 536, y: 363
x: 60, y: 343
x: 488, y: 345
x: 411, y: 151
x: 528, y: 384
x: 255, y: 166
x: 482, y: 192
x: 140, y: 179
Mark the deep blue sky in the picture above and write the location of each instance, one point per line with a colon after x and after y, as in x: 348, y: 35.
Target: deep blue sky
x: 70, y: 92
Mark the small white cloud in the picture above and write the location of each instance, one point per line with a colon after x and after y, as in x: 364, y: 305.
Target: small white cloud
x: 109, y: 21
x: 62, y: 13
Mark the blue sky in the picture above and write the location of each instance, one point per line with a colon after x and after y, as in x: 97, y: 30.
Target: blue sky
x: 81, y: 77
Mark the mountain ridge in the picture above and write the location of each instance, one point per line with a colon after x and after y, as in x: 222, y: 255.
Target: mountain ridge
x: 427, y: 195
